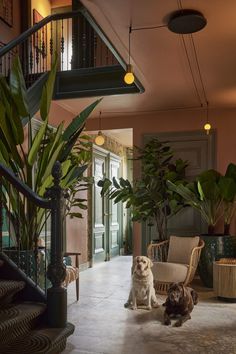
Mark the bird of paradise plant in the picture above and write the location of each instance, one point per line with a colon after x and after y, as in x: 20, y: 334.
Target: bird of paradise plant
x: 33, y: 164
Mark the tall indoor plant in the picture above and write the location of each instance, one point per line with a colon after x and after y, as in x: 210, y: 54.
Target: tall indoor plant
x: 149, y: 197
x: 33, y: 162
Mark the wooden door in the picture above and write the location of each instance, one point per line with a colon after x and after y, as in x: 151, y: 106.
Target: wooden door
x: 100, y: 238
x: 199, y: 149
x: 106, y: 214
x: 114, y: 211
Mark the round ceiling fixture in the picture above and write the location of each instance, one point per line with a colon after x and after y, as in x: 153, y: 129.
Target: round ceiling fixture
x: 186, y: 21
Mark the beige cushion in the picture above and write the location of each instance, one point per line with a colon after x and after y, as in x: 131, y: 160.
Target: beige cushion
x: 180, y: 248
x: 169, y: 272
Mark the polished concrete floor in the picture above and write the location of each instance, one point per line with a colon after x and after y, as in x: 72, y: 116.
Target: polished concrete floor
x: 104, y: 326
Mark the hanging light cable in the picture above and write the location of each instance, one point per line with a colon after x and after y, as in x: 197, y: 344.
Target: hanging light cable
x: 129, y: 76
x: 100, y: 140
x: 207, y: 126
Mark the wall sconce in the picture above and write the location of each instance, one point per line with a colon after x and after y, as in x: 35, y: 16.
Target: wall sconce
x: 207, y: 126
x: 129, y: 76
x: 100, y: 140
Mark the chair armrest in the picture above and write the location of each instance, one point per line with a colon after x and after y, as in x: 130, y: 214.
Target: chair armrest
x: 193, y: 263
x: 195, y: 255
x: 158, y: 251
x: 76, y: 254
x: 72, y: 254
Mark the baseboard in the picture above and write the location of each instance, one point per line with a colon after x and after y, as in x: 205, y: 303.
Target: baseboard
x: 83, y: 266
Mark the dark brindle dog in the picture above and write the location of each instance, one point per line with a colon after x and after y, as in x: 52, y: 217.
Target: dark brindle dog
x: 180, y: 302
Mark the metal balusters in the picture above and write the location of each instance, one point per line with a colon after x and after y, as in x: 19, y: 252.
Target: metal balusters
x: 37, y: 51
x: 43, y: 49
x: 51, y: 42
x: 67, y: 43
x: 62, y: 47
x: 1, y: 212
x: 95, y: 44
x: 31, y: 60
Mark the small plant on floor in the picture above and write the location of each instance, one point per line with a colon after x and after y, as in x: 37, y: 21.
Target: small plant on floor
x: 150, y: 198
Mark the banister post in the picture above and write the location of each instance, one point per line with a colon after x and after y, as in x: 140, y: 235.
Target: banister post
x: 56, y: 273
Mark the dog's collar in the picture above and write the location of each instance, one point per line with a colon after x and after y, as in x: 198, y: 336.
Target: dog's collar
x: 141, y: 277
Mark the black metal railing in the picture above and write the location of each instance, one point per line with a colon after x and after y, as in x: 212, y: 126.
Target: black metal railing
x: 31, y: 235
x: 76, y: 38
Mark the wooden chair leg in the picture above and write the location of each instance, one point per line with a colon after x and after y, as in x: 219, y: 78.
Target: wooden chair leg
x: 77, y: 289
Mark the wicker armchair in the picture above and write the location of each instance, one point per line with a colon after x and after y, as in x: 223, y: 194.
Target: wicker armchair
x: 174, y: 260
x: 72, y: 272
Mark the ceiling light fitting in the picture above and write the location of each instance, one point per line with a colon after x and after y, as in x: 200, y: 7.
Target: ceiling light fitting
x: 186, y: 21
x: 207, y: 126
x: 129, y: 76
x: 100, y: 140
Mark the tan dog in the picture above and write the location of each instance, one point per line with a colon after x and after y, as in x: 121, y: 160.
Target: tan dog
x: 142, y: 291
x: 180, y: 302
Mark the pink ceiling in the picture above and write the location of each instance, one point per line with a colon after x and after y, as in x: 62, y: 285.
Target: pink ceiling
x: 159, y: 58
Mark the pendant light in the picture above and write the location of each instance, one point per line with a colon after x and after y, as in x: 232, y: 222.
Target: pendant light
x: 207, y: 126
x: 129, y: 76
x: 100, y: 140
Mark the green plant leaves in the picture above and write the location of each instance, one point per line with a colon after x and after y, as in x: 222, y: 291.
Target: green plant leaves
x: 18, y: 88
x: 79, y: 120
x: 48, y: 91
x: 36, y: 143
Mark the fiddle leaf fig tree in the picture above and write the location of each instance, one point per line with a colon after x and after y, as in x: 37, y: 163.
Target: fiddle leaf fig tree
x: 33, y: 163
x: 149, y: 197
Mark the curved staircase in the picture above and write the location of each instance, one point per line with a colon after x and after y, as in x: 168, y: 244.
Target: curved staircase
x: 22, y: 328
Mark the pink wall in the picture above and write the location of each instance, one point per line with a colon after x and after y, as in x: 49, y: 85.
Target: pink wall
x: 8, y: 33
x: 222, y: 120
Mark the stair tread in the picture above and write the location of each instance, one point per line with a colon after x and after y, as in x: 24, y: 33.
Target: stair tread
x: 18, y: 319
x: 21, y: 311
x: 44, y: 340
x: 10, y: 287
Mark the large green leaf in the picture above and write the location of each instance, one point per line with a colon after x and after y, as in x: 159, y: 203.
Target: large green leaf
x: 48, y: 91
x: 78, y: 121
x: 57, y: 138
x: 4, y: 126
x: 69, y: 145
x: 13, y: 117
x: 36, y: 143
x: 18, y: 88
x: 227, y: 188
x: 4, y: 151
x: 51, y: 162
x: 49, y: 180
x: 73, y: 175
x: 231, y: 171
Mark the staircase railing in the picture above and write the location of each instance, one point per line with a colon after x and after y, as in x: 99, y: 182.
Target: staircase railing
x: 35, y: 250
x: 75, y: 36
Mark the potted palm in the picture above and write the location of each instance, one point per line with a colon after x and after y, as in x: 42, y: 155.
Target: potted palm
x: 149, y: 197
x: 33, y: 163
x: 214, y: 196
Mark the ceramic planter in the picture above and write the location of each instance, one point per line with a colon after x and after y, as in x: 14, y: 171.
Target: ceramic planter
x: 216, y: 247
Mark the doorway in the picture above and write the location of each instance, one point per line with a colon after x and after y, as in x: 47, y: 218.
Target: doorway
x: 107, y: 216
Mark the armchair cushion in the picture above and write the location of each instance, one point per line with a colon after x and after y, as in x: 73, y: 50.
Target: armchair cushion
x: 180, y: 248
x: 72, y: 273
x: 169, y: 272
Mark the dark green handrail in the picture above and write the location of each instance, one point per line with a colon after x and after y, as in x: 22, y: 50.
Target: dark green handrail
x: 24, y: 189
